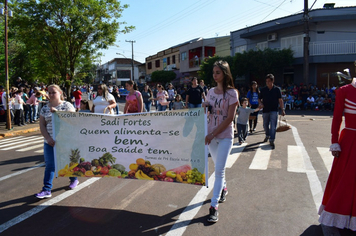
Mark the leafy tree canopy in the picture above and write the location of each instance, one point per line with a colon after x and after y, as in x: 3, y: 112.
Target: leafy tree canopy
x: 256, y: 63
x: 59, y: 34
x: 162, y: 76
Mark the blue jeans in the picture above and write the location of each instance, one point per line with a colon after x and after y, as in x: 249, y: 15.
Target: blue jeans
x: 219, y: 149
x: 33, y: 114
x: 242, y: 132
x: 269, y: 124
x: 161, y: 108
x: 190, y: 105
x: 48, y: 152
x: 148, y: 106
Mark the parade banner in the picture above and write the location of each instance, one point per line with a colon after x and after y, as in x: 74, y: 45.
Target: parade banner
x: 164, y: 146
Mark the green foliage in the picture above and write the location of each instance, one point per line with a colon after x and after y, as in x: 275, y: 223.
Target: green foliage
x: 257, y: 63
x: 163, y: 77
x: 59, y: 35
x: 206, y: 68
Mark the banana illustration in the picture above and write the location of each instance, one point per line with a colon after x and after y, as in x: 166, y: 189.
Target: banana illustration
x: 140, y: 175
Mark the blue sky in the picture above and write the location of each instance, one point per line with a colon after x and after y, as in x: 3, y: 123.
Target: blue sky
x: 163, y: 24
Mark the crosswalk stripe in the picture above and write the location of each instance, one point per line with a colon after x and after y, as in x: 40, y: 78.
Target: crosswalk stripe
x: 295, y: 159
x: 261, y: 158
x: 39, y: 151
x: 234, y: 154
x: 9, y: 140
x: 30, y: 148
x: 21, y: 145
x: 326, y: 156
x: 23, y: 141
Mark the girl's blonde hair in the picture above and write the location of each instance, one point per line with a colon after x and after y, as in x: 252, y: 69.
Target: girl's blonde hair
x: 105, y: 91
x: 58, y: 89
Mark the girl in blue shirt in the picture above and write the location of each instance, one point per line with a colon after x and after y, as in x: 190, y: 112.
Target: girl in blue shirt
x: 252, y: 96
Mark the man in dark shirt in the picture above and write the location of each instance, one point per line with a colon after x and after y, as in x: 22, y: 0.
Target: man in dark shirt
x: 269, y: 99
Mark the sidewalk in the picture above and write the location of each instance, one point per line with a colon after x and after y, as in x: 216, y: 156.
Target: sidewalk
x: 18, y: 130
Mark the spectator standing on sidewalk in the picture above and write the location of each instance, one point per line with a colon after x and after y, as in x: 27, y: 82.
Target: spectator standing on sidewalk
x: 18, y: 105
x: 223, y: 100
x: 269, y: 99
x: 77, y: 94
x: 56, y: 103
x: 33, y: 103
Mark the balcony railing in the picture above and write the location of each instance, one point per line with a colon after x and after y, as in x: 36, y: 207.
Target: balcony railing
x: 332, y: 48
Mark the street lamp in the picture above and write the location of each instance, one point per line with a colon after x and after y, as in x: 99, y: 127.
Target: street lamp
x: 7, y: 13
x: 121, y: 54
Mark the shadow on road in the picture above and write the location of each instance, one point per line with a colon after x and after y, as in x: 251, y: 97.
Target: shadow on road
x: 67, y: 220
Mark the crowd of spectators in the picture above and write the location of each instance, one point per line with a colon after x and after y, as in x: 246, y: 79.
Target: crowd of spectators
x: 304, y: 97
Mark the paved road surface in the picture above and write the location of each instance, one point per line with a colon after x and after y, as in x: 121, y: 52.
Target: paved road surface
x: 271, y: 192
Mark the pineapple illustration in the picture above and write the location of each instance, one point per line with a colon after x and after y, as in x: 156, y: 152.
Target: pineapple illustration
x: 74, y: 156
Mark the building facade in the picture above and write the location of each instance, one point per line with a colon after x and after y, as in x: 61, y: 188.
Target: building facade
x: 117, y: 71
x: 328, y: 35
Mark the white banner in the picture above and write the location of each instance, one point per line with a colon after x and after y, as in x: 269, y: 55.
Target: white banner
x: 165, y: 146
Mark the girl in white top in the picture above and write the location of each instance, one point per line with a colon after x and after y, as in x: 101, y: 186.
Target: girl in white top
x: 103, y: 100
x: 222, y: 101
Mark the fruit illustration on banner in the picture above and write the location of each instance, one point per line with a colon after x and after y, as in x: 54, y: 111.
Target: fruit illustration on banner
x: 105, y: 166
x: 78, y: 167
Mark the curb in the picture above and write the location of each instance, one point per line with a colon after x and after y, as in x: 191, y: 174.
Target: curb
x: 18, y: 132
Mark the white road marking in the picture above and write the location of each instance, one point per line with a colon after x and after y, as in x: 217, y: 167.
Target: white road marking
x: 9, y: 139
x: 314, y: 182
x: 23, y: 141
x: 39, y: 151
x: 16, y: 139
x: 46, y: 204
x: 196, y: 203
x: 21, y: 172
x: 295, y: 159
x: 234, y: 154
x: 327, y: 157
x: 30, y: 148
x: 261, y: 158
x: 21, y: 145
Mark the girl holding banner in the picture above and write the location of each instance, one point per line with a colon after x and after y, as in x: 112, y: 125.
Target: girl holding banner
x: 222, y: 102
x: 56, y: 103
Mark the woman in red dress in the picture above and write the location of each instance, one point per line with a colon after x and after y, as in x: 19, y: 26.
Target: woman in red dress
x: 338, y: 207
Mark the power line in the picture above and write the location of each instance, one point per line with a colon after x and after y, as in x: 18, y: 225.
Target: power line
x: 273, y: 11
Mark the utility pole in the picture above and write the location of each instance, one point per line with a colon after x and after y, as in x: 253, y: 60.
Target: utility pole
x: 306, y: 43
x: 132, y: 62
x: 8, y: 114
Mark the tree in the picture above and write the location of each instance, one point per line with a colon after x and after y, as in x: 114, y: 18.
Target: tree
x: 206, y: 68
x: 251, y: 63
x: 59, y: 32
x: 163, y: 77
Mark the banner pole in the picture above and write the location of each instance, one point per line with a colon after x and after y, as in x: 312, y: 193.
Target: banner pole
x: 206, y: 151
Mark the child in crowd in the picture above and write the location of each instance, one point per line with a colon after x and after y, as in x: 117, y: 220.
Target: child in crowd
x: 84, y: 106
x: 242, y: 119
x: 178, y: 104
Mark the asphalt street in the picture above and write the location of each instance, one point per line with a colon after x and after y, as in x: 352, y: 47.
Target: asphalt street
x: 271, y: 192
